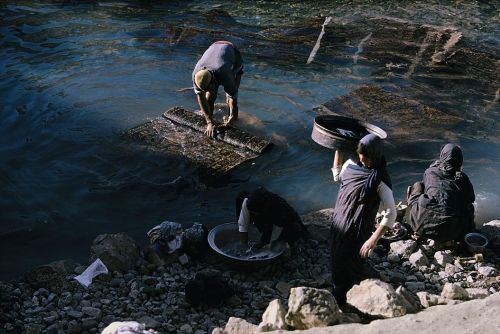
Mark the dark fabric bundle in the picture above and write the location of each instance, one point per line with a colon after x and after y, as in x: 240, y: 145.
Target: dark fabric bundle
x: 209, y: 288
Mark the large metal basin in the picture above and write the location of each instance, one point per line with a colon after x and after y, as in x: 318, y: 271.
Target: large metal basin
x: 224, y: 239
x: 339, y: 132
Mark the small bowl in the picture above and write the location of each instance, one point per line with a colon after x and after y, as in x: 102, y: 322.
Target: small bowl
x: 476, y: 242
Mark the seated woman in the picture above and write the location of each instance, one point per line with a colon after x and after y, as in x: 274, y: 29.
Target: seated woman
x: 441, y: 207
x: 365, y: 186
x: 267, y: 211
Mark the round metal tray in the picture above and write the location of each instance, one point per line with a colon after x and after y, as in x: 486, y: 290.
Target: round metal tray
x: 339, y: 132
x: 224, y: 235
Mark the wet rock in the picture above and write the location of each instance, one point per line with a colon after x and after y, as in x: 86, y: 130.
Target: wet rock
x: 118, y: 251
x: 403, y: 248
x: 418, y: 259
x: 47, y: 277
x: 274, y: 317
x: 310, y: 307
x: 186, y: 329
x: 377, y: 298
x: 443, y: 258
x: 454, y: 291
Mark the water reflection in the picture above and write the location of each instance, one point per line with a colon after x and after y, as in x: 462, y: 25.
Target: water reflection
x: 74, y: 76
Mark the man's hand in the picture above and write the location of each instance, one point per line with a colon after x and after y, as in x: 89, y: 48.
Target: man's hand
x: 210, y: 130
x: 228, y: 120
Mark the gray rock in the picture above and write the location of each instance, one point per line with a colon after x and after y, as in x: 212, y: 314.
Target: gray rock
x: 442, y: 258
x: 149, y: 322
x: 118, y: 252
x: 454, y: 291
x: 239, y: 326
x: 427, y: 299
x: 415, y: 286
x: 451, y: 269
x: 75, y: 314
x: 273, y: 317
x: 92, y: 312
x: 477, y: 293
x: 487, y: 271
x: 393, y: 258
x: 186, y: 328
x: 419, y: 259
x: 310, y: 307
x: 283, y: 288
x: 377, y: 298
x: 403, y: 248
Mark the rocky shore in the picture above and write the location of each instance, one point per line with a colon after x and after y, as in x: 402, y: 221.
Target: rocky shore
x: 148, y: 290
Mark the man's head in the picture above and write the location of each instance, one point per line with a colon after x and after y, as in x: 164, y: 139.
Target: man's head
x: 203, y: 79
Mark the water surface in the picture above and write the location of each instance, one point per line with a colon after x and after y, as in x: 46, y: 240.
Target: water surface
x: 75, y: 75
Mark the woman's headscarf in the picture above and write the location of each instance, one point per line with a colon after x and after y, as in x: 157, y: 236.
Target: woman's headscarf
x: 450, y: 160
x: 372, y: 146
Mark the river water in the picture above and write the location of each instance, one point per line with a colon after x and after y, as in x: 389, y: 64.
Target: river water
x: 74, y: 75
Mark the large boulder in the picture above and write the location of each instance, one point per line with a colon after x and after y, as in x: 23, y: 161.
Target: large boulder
x: 379, y: 299
x: 492, y: 231
x: 118, y: 252
x: 310, y: 307
x: 274, y: 317
x: 51, y: 276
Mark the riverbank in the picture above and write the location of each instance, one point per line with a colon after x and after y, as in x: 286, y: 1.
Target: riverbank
x: 155, y: 294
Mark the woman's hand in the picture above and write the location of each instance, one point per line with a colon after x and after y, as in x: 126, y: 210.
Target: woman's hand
x: 368, y: 246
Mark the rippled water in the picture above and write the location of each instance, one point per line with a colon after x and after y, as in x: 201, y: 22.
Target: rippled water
x: 75, y: 75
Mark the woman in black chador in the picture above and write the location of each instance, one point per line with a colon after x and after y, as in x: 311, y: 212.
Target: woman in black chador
x: 365, y: 186
x: 267, y: 211
x: 441, y: 207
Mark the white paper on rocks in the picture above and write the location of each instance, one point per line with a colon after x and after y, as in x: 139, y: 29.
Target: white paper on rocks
x: 96, y: 268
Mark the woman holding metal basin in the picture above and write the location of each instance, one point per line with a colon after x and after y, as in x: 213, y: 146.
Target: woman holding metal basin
x: 365, y: 186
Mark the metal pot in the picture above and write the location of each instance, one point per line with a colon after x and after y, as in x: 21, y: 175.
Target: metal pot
x: 339, y: 132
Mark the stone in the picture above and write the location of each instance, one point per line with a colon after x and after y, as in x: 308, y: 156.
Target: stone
x: 403, y: 248
x: 33, y: 329
x: 454, y: 291
x: 239, y: 326
x: 284, y: 289
x: 186, y: 328
x: 477, y: 293
x: 418, y: 259
x: 273, y: 317
x: 310, y: 307
x: 93, y: 312
x: 451, y: 269
x: 424, y: 298
x: 410, y: 300
x: 393, y: 258
x: 442, y: 258
x: 349, y: 318
x: 118, y: 252
x: 487, y: 271
x: 376, y: 298
x: 149, y: 322
x: 46, y: 276
x: 492, y: 231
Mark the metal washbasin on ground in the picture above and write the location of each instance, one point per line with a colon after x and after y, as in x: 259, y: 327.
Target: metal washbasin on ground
x: 224, y: 239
